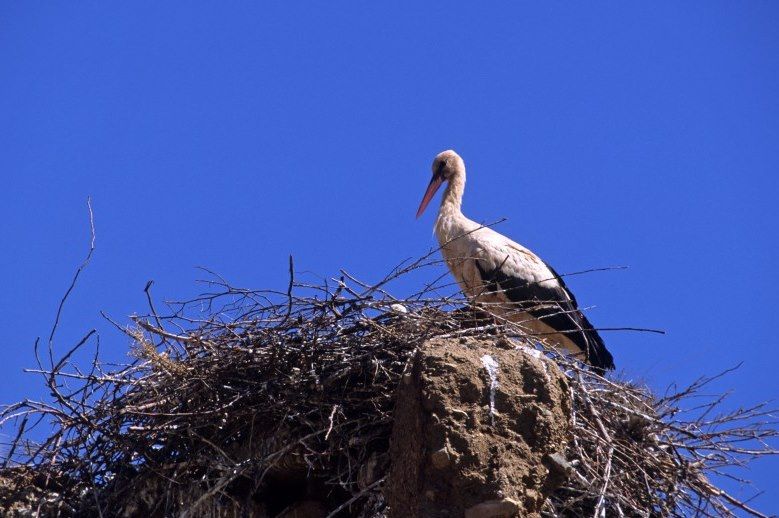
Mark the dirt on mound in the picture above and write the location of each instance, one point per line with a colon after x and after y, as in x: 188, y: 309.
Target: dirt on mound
x: 477, y: 422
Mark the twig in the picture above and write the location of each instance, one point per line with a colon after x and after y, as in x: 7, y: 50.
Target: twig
x: 15, y: 442
x: 356, y: 497
x: 330, y: 428
x: 73, y: 282
x: 289, y: 288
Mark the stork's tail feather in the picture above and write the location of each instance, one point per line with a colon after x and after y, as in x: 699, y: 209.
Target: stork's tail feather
x: 597, y: 354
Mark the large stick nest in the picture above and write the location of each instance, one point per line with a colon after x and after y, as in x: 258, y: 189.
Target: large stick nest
x: 236, y: 396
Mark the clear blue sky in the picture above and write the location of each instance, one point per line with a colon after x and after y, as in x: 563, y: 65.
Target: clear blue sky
x: 230, y: 135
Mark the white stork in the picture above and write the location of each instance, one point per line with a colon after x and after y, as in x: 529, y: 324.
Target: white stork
x: 507, y: 278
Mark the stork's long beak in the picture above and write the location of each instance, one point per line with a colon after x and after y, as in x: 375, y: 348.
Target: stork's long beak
x: 432, y: 187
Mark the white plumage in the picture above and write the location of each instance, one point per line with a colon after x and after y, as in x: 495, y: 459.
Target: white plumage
x: 506, y: 278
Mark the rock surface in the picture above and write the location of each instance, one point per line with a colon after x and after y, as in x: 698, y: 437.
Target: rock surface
x: 468, y: 443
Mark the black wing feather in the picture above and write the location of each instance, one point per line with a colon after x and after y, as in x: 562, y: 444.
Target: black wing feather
x: 556, y: 307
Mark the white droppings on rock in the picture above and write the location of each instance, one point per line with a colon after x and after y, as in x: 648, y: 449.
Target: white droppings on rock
x: 399, y: 308
x: 535, y: 353
x: 491, y: 366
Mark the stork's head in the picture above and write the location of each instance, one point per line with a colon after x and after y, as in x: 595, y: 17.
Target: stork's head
x: 446, y: 165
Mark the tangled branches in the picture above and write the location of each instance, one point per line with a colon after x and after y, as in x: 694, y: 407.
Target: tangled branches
x: 249, y: 401
x: 635, y: 454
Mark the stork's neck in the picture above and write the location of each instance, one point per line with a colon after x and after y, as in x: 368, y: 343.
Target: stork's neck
x: 452, y: 199
x: 450, y: 217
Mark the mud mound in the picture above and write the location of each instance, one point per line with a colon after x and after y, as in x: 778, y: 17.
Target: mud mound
x: 474, y: 421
